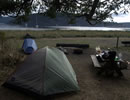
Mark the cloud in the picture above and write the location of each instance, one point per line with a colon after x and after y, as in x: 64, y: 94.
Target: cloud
x: 121, y: 18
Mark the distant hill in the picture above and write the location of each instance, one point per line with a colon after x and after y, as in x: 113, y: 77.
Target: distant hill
x: 127, y: 25
x: 6, y: 20
x: 60, y: 20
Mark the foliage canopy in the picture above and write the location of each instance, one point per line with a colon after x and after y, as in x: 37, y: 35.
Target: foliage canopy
x: 92, y: 10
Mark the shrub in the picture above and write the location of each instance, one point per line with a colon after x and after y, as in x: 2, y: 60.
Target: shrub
x: 2, y: 39
x: 9, y: 55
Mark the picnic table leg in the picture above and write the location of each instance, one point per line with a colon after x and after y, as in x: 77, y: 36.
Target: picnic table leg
x: 117, y: 69
x: 117, y: 43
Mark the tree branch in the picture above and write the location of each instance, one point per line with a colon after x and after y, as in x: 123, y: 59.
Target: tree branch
x: 23, y: 5
x: 95, y: 3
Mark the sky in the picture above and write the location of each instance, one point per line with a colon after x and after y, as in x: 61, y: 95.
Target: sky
x: 121, y: 18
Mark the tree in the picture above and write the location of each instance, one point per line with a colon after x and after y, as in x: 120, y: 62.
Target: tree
x: 92, y: 10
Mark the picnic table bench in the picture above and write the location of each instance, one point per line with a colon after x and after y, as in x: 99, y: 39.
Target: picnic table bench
x: 95, y: 61
x: 72, y: 45
x: 126, y: 43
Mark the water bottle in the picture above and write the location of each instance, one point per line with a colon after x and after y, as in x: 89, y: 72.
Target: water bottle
x: 120, y: 56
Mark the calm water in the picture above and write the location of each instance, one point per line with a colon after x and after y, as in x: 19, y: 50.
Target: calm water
x: 9, y: 27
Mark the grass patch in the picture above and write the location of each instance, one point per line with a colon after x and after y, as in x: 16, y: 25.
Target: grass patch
x: 65, y: 34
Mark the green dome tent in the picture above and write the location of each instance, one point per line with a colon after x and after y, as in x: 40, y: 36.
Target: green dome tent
x: 45, y: 72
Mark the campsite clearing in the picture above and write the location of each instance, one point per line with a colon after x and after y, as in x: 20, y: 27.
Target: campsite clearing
x: 92, y: 86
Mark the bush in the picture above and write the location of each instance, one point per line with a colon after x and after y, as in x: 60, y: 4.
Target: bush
x: 9, y: 55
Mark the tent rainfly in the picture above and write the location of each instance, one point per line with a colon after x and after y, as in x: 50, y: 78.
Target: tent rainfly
x: 45, y: 72
x: 29, y: 46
